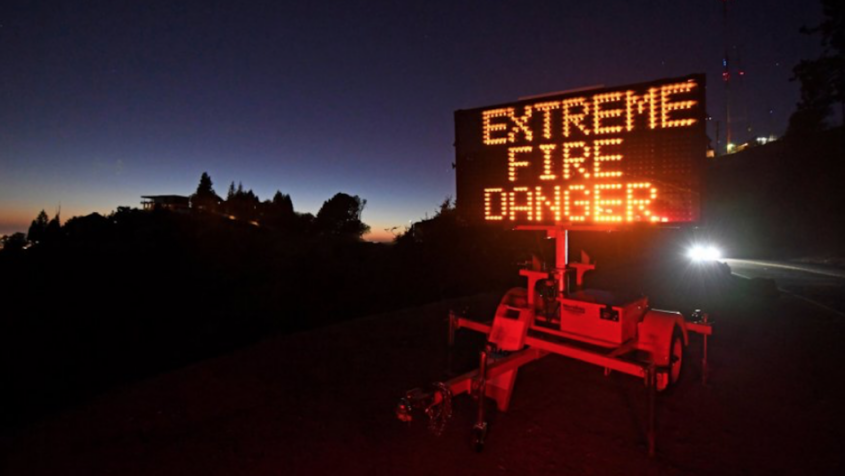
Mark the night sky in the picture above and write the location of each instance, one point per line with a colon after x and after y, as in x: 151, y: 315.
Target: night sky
x: 102, y: 102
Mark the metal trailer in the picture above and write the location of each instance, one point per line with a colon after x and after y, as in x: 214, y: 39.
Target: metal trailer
x: 631, y: 338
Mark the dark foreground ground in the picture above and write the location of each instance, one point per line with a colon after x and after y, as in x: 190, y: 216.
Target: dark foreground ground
x: 321, y: 402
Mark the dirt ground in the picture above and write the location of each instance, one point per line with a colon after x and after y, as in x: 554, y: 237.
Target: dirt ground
x: 322, y: 403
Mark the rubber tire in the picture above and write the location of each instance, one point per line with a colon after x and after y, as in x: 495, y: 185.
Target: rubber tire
x: 676, y: 358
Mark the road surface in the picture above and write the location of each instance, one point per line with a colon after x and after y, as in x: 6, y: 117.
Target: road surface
x: 820, y: 286
x: 321, y: 403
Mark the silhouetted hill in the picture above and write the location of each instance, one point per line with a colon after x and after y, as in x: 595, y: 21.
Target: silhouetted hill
x: 115, y: 298
x: 782, y: 199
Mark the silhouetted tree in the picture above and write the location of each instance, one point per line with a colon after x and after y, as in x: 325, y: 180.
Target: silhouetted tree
x: 14, y: 242
x: 278, y: 213
x: 283, y: 203
x: 205, y: 198
x: 38, y: 228
x: 341, y: 216
x: 244, y: 205
x: 439, y: 230
x: 89, y: 230
x: 54, y: 230
x: 43, y: 229
x: 304, y: 222
x: 447, y: 207
x: 822, y: 79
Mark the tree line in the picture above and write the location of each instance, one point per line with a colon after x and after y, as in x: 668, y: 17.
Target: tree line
x: 339, y: 216
x: 823, y: 78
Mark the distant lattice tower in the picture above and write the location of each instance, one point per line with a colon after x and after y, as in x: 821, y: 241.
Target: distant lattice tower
x: 733, y: 74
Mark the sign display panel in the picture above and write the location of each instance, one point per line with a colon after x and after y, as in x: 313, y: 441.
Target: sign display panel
x: 611, y: 156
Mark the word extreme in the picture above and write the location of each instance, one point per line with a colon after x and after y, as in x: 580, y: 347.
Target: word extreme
x: 622, y: 155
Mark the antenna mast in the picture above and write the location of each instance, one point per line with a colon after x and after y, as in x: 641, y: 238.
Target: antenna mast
x: 726, y: 76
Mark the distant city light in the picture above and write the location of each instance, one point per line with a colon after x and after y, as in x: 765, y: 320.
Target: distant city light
x: 766, y: 140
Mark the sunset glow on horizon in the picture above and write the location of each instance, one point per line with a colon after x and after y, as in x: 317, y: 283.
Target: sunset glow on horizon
x: 102, y: 104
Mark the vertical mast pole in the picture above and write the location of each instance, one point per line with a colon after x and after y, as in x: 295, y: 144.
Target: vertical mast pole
x: 561, y: 236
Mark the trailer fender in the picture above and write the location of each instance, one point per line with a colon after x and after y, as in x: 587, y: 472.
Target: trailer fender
x: 654, y: 334
x: 513, y: 318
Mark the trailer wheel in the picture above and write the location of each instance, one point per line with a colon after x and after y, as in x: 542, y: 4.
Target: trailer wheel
x: 676, y: 357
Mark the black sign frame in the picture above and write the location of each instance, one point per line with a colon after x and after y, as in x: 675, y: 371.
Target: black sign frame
x: 643, y: 158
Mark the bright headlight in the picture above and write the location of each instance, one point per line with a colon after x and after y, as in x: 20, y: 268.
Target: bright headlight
x: 704, y: 253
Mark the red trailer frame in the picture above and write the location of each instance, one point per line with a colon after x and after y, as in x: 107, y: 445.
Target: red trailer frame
x: 623, y: 330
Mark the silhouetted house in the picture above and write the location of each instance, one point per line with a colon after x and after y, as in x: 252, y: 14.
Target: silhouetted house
x: 169, y: 202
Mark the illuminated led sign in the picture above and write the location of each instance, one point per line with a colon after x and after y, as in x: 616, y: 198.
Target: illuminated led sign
x: 623, y: 155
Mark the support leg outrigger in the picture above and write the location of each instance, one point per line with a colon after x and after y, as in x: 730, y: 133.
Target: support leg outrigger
x: 479, y: 430
x: 453, y: 326
x: 651, y: 388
